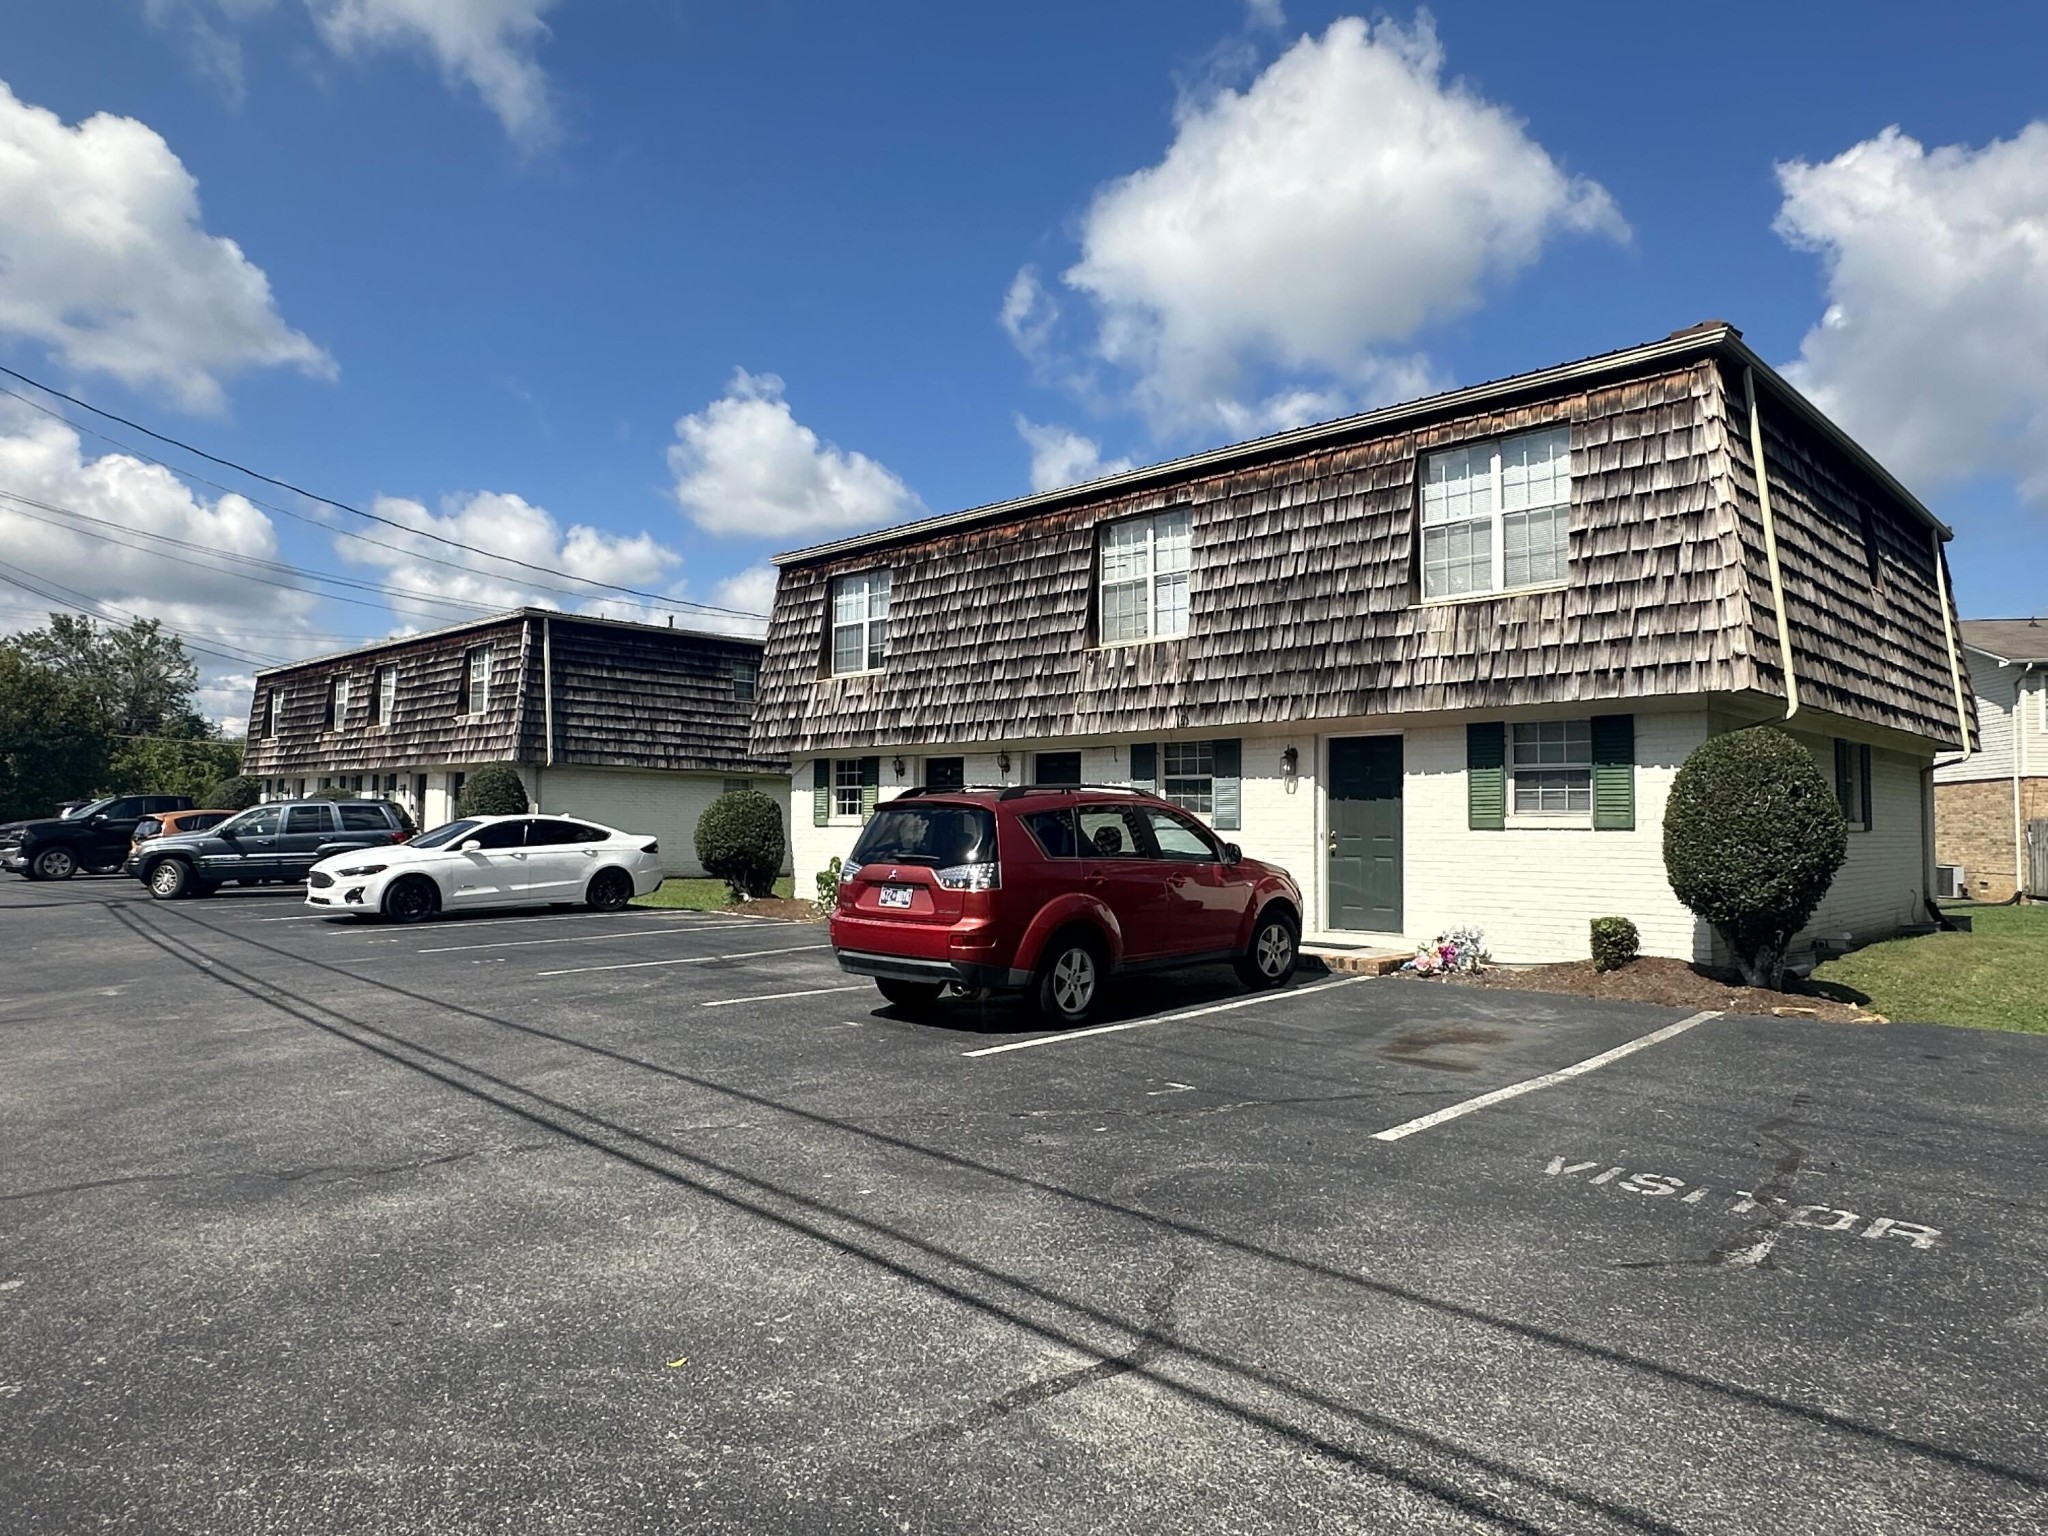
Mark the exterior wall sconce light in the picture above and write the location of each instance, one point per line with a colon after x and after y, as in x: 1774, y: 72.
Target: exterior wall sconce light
x: 898, y: 765
x: 1003, y: 762
x: 1290, y: 761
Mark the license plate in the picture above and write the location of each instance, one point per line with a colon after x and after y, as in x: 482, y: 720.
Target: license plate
x: 894, y: 896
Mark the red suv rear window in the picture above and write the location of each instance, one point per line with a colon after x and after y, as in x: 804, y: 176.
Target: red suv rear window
x: 931, y: 834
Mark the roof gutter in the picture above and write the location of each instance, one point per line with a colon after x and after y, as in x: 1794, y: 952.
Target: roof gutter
x: 1699, y: 341
x: 1763, y: 501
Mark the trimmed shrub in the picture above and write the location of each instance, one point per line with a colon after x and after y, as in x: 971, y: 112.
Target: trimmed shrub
x: 493, y: 790
x: 1615, y: 943
x: 739, y: 841
x: 1752, y: 841
x: 236, y: 794
x: 335, y: 792
x: 828, y: 885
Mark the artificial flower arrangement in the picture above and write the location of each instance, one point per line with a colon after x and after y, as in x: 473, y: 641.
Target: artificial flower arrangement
x: 1459, y: 952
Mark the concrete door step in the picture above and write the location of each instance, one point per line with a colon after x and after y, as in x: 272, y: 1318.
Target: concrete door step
x: 1367, y: 959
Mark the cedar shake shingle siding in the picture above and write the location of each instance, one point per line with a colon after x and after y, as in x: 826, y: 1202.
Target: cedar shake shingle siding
x: 625, y: 696
x: 1304, y: 593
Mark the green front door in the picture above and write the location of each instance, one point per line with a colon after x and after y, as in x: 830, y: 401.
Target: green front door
x: 1365, y: 833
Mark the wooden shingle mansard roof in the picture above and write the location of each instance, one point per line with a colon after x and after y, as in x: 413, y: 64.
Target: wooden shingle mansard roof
x: 1303, y: 598
x: 624, y: 696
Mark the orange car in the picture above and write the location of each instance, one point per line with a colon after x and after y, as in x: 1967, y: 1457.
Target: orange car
x: 164, y: 822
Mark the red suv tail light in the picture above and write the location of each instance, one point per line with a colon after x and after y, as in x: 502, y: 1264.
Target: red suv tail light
x: 970, y: 877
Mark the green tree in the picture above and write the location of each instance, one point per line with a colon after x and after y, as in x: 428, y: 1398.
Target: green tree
x: 1752, y: 841
x: 235, y: 794
x: 142, y: 677
x: 54, y: 741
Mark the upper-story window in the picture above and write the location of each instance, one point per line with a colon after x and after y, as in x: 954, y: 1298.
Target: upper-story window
x: 860, y: 622
x: 266, y: 717
x: 337, y: 703
x: 384, y: 702
x: 476, y: 680
x: 1142, y: 574
x: 745, y: 672
x: 1497, y: 516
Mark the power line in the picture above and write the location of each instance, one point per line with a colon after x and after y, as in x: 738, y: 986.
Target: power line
x: 342, y: 506
x: 82, y: 603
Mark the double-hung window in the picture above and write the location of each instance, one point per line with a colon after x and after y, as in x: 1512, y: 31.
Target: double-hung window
x: 337, y: 703
x: 1142, y: 576
x: 846, y: 786
x: 1190, y: 777
x: 1552, y: 764
x: 1497, y: 516
x: 386, y: 701
x: 476, y: 680
x: 860, y: 622
x: 744, y: 673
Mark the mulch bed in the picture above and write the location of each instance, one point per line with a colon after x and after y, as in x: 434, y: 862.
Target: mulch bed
x: 1671, y: 984
x: 778, y: 906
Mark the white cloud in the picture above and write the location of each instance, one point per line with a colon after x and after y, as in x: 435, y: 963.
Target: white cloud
x: 112, y: 567
x: 1933, y: 349
x: 486, y: 44
x: 509, y: 525
x: 1062, y: 457
x: 745, y: 466
x: 1270, y: 15
x: 104, y: 260
x: 750, y: 591
x: 205, y: 28
x: 1326, y: 213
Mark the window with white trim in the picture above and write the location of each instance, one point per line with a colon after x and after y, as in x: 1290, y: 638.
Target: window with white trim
x: 1551, y: 763
x: 1142, y: 576
x: 1497, y: 516
x: 387, y: 694
x: 745, y: 671
x: 846, y: 787
x: 476, y: 680
x: 1190, y: 777
x: 860, y: 622
x: 337, y: 703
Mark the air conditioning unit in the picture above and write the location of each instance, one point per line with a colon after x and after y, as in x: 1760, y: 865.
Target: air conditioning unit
x: 1951, y: 882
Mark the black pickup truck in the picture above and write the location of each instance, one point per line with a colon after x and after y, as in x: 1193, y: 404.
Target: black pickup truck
x: 93, y: 838
x: 277, y: 841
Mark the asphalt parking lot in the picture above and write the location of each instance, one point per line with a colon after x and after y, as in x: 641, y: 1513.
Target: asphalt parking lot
x: 658, y: 1222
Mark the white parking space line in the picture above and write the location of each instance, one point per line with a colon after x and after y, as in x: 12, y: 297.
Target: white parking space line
x: 1168, y: 1018
x: 776, y: 997
x: 1547, y: 1080
x: 641, y: 965
x: 588, y: 938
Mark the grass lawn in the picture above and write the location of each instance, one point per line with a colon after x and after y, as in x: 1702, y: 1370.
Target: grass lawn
x: 696, y: 895
x: 1994, y: 977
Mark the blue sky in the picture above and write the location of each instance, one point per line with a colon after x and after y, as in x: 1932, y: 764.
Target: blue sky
x: 712, y: 281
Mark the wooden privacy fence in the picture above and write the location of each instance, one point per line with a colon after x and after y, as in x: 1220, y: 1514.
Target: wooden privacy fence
x: 2037, y: 859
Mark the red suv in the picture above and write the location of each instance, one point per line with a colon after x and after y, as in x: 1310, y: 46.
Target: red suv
x: 1049, y: 891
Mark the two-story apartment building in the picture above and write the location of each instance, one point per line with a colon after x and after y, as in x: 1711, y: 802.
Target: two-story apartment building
x: 1991, y: 807
x: 638, y: 726
x: 1441, y: 659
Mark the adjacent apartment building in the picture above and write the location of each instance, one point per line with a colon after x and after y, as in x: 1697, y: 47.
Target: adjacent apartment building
x: 1991, y: 807
x: 638, y: 726
x: 1441, y: 660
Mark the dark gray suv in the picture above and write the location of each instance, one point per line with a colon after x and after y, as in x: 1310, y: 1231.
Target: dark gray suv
x: 278, y: 841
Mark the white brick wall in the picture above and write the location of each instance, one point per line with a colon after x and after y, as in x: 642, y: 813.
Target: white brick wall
x: 1534, y: 890
x: 664, y: 804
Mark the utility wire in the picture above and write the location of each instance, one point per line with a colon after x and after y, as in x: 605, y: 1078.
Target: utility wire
x: 82, y: 603
x: 342, y: 506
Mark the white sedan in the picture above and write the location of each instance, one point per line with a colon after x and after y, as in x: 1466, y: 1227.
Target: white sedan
x: 489, y: 861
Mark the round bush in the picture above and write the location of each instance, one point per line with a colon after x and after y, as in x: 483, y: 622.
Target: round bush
x: 1752, y: 840
x: 1615, y: 943
x: 739, y: 841
x: 493, y: 790
x: 235, y: 794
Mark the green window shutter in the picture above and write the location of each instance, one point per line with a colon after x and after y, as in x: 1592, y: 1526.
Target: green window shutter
x: 821, y: 792
x: 1144, y: 766
x: 1227, y: 796
x: 1614, y: 773
x: 1863, y: 774
x: 1486, y: 776
x: 1845, y: 769
x: 870, y: 785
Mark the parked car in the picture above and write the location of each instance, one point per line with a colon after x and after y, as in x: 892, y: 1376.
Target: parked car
x: 93, y: 837
x: 491, y: 861
x: 166, y: 822
x: 278, y: 841
x: 1049, y: 891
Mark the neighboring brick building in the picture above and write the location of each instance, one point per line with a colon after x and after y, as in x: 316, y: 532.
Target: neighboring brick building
x: 1986, y: 804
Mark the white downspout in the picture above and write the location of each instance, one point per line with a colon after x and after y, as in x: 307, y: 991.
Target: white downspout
x: 1955, y: 675
x: 2019, y: 772
x: 1763, y: 501
x: 547, y: 693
